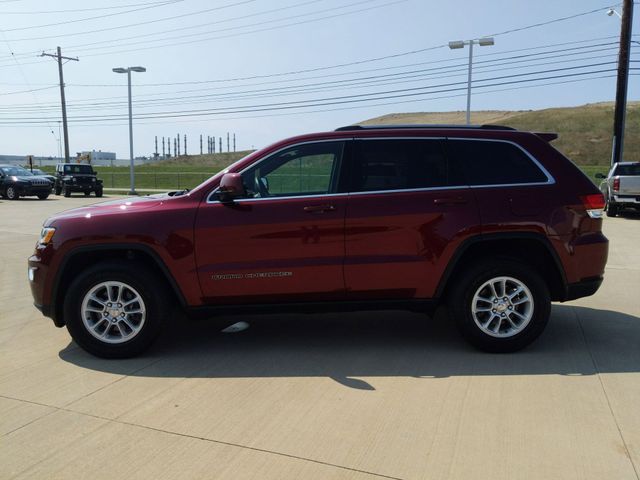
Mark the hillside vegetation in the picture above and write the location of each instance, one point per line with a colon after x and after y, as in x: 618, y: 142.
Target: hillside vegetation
x: 584, y: 132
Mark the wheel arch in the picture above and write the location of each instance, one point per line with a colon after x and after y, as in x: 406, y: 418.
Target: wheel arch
x: 80, y: 258
x: 538, y: 253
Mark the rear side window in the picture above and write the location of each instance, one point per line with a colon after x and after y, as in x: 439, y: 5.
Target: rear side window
x: 401, y: 164
x: 494, y: 163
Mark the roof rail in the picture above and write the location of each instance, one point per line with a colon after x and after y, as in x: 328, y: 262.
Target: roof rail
x: 423, y: 126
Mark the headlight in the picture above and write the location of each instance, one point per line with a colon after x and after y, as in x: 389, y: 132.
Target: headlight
x: 46, y: 235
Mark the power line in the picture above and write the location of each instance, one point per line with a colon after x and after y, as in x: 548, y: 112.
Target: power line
x: 549, y: 22
x: 83, y: 9
x: 393, y: 94
x: 418, y: 74
x: 108, y: 29
x: 66, y: 22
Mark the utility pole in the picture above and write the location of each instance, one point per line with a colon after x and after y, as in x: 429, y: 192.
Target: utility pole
x: 59, y: 59
x: 175, y: 152
x: 200, y: 144
x: 163, y: 155
x: 234, y: 142
x: 156, y: 153
x: 220, y: 149
x: 178, y: 144
x: 228, y: 150
x: 213, y: 144
x: 619, y: 116
x: 185, y: 144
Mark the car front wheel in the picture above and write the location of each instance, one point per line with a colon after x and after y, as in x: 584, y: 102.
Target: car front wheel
x: 12, y: 193
x: 115, y: 310
x: 501, y: 305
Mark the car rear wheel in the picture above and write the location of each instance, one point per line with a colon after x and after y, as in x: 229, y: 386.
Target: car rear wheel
x: 611, y: 209
x: 66, y: 191
x: 43, y: 196
x: 12, y: 193
x: 115, y: 310
x: 500, y: 305
x: 99, y: 192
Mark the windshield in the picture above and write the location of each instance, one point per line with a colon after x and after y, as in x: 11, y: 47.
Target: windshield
x: 83, y: 169
x: 15, y: 171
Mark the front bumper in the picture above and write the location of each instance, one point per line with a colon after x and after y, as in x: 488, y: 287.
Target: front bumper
x: 583, y: 288
x: 74, y: 187
x: 37, y: 273
x: 30, y: 191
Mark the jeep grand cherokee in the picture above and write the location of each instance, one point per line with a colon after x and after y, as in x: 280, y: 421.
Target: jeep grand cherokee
x: 493, y: 222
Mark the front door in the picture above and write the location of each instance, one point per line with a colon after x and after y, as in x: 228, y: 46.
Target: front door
x: 284, y: 241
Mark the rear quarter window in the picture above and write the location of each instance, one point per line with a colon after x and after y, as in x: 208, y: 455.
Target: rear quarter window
x: 486, y: 162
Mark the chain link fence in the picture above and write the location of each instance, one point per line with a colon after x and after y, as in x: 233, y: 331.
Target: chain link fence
x: 154, y: 180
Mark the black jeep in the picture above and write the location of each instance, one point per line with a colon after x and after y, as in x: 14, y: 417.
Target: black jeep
x: 75, y: 177
x: 16, y: 182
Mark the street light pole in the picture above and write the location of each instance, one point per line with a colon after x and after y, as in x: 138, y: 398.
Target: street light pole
x: 128, y: 71
x: 483, y: 42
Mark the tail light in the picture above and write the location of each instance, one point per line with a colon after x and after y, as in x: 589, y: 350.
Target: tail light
x: 594, y: 204
x: 616, y: 184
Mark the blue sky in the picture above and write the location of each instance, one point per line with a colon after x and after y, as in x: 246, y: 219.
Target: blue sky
x: 239, y: 57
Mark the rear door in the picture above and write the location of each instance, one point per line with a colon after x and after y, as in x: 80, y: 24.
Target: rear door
x: 284, y: 241
x: 408, y: 211
x: 513, y: 190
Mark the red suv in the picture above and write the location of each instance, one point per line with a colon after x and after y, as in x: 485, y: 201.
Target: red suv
x: 493, y: 222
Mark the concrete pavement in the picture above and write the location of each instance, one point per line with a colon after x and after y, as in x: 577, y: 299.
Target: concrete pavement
x: 363, y: 396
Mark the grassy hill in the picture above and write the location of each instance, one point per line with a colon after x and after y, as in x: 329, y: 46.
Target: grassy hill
x: 584, y: 132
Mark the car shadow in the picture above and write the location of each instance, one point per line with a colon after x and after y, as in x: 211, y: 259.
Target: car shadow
x: 354, y: 348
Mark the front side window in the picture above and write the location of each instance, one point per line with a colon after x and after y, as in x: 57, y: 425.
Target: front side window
x: 307, y: 169
x: 402, y: 164
x: 486, y: 162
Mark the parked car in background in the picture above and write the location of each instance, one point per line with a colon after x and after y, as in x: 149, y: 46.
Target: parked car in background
x: 16, y: 182
x: 492, y: 222
x: 77, y: 177
x: 40, y: 173
x: 621, y: 187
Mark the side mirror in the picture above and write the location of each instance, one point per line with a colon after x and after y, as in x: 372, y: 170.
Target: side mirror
x: 600, y: 175
x: 231, y: 187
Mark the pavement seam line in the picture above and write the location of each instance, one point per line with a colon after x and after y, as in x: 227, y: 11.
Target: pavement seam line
x: 604, y: 391
x: 124, y: 375
x: 195, y: 437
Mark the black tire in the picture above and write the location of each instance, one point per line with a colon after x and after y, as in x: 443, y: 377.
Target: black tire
x: 99, y: 192
x: 612, y: 209
x: 86, y: 194
x: 12, y: 193
x: 137, y: 278
x: 43, y: 196
x: 461, y: 301
x: 58, y: 191
x: 66, y: 191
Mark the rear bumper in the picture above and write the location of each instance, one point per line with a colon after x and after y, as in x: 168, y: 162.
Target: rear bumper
x: 627, y: 200
x: 584, y: 288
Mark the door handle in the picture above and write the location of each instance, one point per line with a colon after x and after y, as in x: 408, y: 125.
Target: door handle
x: 319, y: 208
x: 450, y: 201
